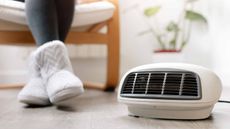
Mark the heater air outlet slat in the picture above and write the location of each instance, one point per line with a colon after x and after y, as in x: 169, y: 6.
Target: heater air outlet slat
x: 162, y: 84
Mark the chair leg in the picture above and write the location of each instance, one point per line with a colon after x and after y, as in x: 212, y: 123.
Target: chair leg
x: 11, y: 86
x: 112, y: 66
x: 113, y: 48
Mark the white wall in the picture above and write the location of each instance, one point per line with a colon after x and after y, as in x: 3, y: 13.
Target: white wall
x: 13, y: 64
x: 208, y: 47
x: 219, y: 16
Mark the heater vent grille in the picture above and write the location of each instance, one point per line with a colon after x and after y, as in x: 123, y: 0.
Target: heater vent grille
x: 162, y: 84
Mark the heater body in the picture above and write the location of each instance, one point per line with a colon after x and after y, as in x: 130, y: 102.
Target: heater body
x: 170, y: 91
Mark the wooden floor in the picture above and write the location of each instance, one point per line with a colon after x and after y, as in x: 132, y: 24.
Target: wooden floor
x: 95, y: 110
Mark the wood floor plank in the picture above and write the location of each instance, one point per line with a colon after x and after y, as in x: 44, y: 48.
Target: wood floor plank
x: 94, y: 110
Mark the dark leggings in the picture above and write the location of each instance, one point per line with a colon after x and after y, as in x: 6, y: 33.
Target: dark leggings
x: 49, y: 19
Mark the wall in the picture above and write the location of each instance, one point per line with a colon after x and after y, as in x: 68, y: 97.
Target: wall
x: 209, y: 46
x: 219, y: 36
x: 13, y: 64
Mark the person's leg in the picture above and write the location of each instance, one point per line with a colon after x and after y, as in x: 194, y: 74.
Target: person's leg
x: 65, y: 13
x: 61, y: 19
x: 42, y: 19
x: 47, y: 20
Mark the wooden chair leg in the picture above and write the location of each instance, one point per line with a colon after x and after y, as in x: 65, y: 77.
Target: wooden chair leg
x: 11, y: 86
x: 113, y: 48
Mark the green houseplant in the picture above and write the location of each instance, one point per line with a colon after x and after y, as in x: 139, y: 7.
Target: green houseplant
x: 179, y: 31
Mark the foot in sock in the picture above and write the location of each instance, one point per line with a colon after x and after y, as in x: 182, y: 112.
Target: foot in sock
x: 57, y: 73
x: 34, y: 92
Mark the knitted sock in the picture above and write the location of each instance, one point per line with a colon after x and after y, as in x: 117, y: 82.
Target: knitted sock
x: 34, y: 92
x: 57, y: 73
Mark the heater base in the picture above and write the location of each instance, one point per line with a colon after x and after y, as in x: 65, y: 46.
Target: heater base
x: 185, y: 114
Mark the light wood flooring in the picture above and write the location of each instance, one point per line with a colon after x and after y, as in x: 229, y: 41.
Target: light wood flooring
x: 95, y: 110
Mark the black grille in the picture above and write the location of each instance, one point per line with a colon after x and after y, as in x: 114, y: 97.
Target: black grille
x: 162, y: 84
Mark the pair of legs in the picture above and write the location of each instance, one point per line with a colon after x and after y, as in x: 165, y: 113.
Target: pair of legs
x: 52, y: 80
x: 49, y: 19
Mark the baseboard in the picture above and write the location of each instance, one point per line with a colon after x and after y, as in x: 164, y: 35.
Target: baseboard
x: 11, y: 78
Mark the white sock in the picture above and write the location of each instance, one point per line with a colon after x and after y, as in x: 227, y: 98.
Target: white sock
x: 56, y: 71
x: 34, y: 92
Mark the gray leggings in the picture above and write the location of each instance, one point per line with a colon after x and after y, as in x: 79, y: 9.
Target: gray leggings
x: 49, y: 19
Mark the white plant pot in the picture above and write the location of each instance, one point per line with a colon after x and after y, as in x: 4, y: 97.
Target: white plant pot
x: 168, y: 57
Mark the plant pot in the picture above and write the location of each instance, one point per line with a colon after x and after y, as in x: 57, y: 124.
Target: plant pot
x: 168, y: 56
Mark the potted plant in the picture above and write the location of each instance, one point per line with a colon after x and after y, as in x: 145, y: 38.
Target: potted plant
x: 175, y: 35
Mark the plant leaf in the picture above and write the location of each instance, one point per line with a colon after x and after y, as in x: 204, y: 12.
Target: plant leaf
x: 172, y: 26
x: 151, y: 11
x: 173, y: 44
x: 194, y: 16
x: 183, y: 45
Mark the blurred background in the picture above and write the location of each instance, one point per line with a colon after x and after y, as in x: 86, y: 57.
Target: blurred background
x: 205, y: 28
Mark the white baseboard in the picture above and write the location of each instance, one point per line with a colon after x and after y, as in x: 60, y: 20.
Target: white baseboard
x: 13, y: 76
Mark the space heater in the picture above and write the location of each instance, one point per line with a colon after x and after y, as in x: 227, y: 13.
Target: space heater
x: 170, y: 91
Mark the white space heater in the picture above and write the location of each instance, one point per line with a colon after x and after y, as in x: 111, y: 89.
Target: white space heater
x: 170, y: 91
